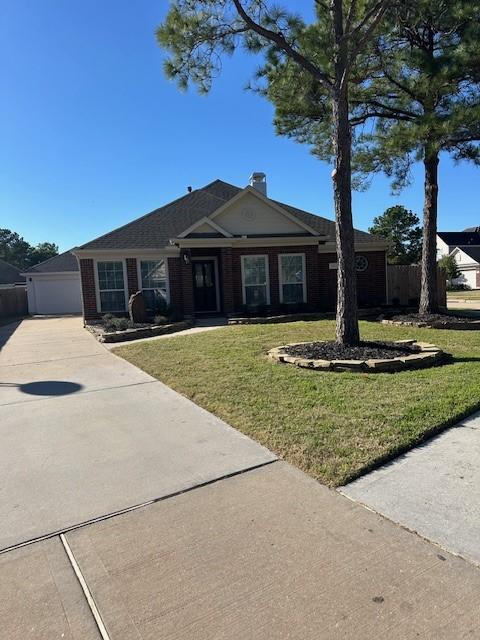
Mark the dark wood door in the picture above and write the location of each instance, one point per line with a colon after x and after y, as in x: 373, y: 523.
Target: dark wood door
x: 204, y: 285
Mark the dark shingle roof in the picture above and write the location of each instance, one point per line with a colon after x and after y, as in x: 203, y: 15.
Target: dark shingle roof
x: 64, y: 262
x: 473, y: 252
x: 460, y: 238
x: 156, y: 228
x: 10, y: 274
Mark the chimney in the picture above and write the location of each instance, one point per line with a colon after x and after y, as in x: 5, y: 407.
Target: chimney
x: 258, y: 181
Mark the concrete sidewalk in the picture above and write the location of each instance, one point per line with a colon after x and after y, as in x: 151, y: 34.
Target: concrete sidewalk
x: 271, y: 554
x: 433, y: 489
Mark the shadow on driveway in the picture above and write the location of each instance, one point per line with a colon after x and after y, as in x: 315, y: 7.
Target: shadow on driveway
x: 46, y: 387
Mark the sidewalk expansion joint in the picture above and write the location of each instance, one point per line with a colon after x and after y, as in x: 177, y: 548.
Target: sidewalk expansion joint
x: 85, y: 588
x: 135, y: 507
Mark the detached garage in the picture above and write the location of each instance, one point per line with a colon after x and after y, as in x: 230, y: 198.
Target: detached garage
x: 53, y: 286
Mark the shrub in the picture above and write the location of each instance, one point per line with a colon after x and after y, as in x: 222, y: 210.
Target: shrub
x: 174, y: 315
x: 159, y: 319
x: 458, y: 287
x: 112, y: 323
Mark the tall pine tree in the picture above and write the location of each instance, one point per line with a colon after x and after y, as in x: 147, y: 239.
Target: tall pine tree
x: 329, y: 52
x: 422, y: 99
x: 425, y: 98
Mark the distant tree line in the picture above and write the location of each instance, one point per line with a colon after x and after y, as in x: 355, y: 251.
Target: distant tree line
x: 17, y: 251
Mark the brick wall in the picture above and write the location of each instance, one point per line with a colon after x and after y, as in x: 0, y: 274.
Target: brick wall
x: 320, y: 280
x: 187, y: 285
x: 132, y: 276
x: 371, y: 283
x: 175, y: 283
x: 88, y: 289
x: 226, y: 277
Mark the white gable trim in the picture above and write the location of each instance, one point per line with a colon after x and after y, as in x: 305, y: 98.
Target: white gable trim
x: 470, y: 261
x: 216, y: 227
x: 268, y: 202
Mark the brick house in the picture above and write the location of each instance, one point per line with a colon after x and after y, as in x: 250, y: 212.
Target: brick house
x: 222, y: 249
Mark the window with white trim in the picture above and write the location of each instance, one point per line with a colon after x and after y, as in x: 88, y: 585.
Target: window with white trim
x: 111, y: 286
x: 153, y: 277
x: 255, y: 280
x: 291, y: 268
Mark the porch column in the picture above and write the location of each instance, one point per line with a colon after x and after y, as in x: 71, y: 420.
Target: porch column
x: 227, y: 279
x: 187, y: 283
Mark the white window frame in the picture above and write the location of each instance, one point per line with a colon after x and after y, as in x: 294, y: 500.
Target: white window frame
x: 153, y: 259
x: 304, y: 279
x: 97, y: 283
x: 267, y: 275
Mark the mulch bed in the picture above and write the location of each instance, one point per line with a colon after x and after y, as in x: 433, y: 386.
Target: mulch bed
x: 334, y: 351
x: 430, y: 318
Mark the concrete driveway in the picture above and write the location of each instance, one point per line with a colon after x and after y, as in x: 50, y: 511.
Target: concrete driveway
x: 85, y: 434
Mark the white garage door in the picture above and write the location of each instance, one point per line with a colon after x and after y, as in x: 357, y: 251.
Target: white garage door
x: 468, y: 277
x: 54, y: 294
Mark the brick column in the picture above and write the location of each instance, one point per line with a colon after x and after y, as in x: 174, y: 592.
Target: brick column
x: 312, y: 277
x: 187, y: 284
x: 227, y: 280
x: 132, y: 276
x: 175, y: 283
x: 88, y: 289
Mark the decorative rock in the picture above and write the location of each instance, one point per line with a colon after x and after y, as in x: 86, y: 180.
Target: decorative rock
x: 348, y: 365
x: 136, y: 308
x: 393, y: 364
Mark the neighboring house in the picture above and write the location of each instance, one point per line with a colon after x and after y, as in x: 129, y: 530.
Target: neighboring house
x: 448, y: 240
x: 220, y: 249
x: 468, y: 261
x: 464, y: 246
x: 10, y: 276
x: 53, y: 286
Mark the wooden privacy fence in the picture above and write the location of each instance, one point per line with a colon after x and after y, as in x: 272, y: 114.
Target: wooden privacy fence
x: 404, y: 281
x: 13, y: 302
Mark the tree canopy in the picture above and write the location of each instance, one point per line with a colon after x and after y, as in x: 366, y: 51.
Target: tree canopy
x: 400, y: 227
x: 17, y: 251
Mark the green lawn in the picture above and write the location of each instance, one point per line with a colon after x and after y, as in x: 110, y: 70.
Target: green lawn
x: 334, y: 426
x: 464, y: 295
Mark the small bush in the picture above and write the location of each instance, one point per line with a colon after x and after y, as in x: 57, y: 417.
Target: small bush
x: 174, y: 315
x: 296, y: 307
x: 458, y: 287
x: 112, y: 323
x: 159, y: 319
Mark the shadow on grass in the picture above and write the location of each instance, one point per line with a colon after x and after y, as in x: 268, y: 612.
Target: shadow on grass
x: 422, y: 440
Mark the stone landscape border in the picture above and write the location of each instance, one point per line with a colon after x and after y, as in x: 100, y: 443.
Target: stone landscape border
x: 137, y: 333
x: 296, y: 317
x: 464, y: 325
x: 426, y: 355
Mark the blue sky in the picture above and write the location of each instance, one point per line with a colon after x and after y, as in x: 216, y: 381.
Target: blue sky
x: 93, y: 135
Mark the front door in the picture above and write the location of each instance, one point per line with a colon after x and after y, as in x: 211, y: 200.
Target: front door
x: 204, y: 285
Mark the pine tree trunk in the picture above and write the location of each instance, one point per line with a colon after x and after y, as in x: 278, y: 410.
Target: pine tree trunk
x: 429, y: 291
x: 347, y: 321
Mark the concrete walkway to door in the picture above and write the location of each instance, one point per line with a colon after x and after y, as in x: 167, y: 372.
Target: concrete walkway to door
x: 85, y: 434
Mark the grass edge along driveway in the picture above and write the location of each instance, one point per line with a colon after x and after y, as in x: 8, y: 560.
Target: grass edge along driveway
x: 333, y: 426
